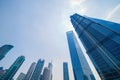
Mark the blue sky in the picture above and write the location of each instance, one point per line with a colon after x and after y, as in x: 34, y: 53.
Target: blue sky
x: 37, y: 28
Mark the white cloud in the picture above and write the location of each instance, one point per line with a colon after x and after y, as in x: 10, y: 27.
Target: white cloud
x: 75, y: 3
x: 114, y: 15
x: 77, y: 6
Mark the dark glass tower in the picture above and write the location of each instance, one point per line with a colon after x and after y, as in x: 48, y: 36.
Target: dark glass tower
x: 65, y: 71
x: 80, y: 66
x: 4, y: 50
x: 13, y: 68
x: 38, y: 69
x: 101, y: 40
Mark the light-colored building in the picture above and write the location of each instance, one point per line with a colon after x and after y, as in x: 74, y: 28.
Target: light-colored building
x: 30, y: 71
x: 47, y: 74
x: 21, y: 76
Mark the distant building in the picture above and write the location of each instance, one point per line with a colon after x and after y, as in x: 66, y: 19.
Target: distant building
x: 47, y: 73
x: 30, y: 71
x: 65, y: 71
x: 1, y: 71
x: 80, y: 65
x: 38, y: 69
x: 101, y: 40
x: 4, y: 50
x: 21, y: 76
x: 50, y: 66
x: 13, y: 68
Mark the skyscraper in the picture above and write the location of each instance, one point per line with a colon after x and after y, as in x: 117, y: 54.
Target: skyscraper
x: 30, y: 71
x: 101, y: 40
x: 38, y: 69
x: 21, y: 76
x: 13, y: 68
x: 50, y: 66
x: 47, y: 73
x: 65, y: 71
x: 80, y: 66
x: 4, y: 50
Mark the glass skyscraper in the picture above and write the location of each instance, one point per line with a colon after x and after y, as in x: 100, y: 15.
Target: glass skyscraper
x: 30, y: 71
x: 21, y: 76
x: 101, y: 40
x: 38, y: 69
x: 65, y: 71
x: 4, y: 50
x: 80, y: 66
x: 47, y: 73
x: 13, y: 68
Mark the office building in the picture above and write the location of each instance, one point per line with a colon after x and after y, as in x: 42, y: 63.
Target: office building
x: 50, y: 66
x: 1, y: 71
x: 13, y: 68
x: 38, y: 69
x: 4, y: 50
x: 47, y: 73
x: 101, y: 40
x: 65, y: 71
x: 21, y: 76
x: 80, y: 65
x: 30, y: 71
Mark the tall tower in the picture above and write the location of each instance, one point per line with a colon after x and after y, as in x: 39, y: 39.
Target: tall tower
x: 4, y: 50
x: 101, y: 40
x: 47, y: 73
x: 21, y: 76
x: 30, y: 71
x: 50, y: 66
x: 65, y: 71
x: 80, y: 66
x: 13, y: 68
x: 38, y: 69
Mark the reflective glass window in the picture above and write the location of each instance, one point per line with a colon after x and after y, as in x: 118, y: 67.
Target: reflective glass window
x: 95, y: 33
x: 101, y: 29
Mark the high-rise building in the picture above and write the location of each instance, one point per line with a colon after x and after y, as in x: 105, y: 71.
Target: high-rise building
x: 13, y: 68
x: 1, y: 71
x: 21, y: 76
x: 101, y: 40
x: 47, y: 73
x: 65, y: 71
x: 80, y: 65
x: 30, y: 71
x: 4, y: 50
x: 38, y: 69
x: 50, y: 66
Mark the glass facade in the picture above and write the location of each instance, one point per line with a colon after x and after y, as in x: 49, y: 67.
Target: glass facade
x: 65, y: 71
x: 101, y: 40
x: 47, y: 73
x: 4, y: 50
x: 38, y: 69
x: 30, y: 71
x: 21, y: 76
x: 13, y: 68
x: 80, y: 66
